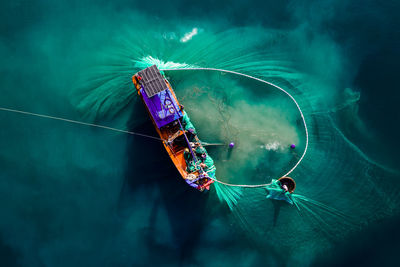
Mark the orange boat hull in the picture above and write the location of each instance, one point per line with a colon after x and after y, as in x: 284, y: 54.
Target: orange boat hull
x: 177, y: 157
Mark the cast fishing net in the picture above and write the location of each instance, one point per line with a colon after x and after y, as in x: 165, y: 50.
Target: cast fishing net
x: 262, y: 120
x: 230, y: 108
x: 339, y: 188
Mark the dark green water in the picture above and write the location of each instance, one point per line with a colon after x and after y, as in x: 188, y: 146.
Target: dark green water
x: 73, y: 195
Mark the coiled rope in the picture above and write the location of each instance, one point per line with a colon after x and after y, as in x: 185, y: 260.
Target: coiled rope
x: 283, y: 90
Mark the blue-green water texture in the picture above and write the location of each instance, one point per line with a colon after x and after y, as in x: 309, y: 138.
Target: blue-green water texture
x: 74, y: 195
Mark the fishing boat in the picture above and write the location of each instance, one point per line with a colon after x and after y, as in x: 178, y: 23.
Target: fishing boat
x: 175, y: 129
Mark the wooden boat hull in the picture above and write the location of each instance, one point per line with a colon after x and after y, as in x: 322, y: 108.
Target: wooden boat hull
x: 170, y: 130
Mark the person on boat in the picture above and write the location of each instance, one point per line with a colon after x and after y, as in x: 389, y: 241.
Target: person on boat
x: 190, y: 162
x: 206, y: 162
x: 201, y: 152
x: 191, y: 134
x: 186, y: 154
x: 193, y: 179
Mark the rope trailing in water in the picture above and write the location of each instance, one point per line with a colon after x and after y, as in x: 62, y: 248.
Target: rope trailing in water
x: 79, y: 122
x: 283, y: 90
x: 212, y: 144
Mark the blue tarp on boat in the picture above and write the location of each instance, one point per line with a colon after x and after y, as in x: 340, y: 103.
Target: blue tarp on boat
x: 162, y: 106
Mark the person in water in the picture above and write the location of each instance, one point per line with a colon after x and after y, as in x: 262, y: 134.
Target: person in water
x: 284, y: 187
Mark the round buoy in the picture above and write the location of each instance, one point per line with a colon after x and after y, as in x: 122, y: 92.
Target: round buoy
x: 292, y: 146
x: 232, y: 144
x: 289, y: 182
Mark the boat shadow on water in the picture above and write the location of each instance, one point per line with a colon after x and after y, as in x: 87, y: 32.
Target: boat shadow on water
x: 150, y: 173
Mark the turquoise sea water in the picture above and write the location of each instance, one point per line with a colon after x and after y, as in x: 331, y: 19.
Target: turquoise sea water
x: 75, y: 195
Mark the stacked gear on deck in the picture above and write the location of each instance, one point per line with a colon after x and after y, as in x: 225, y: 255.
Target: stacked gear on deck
x: 187, y: 124
x: 208, y: 162
x: 191, y: 164
x: 203, y: 158
x: 202, y: 161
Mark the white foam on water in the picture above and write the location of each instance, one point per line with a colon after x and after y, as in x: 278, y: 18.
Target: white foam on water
x: 189, y: 35
x: 275, y: 145
x: 149, y: 61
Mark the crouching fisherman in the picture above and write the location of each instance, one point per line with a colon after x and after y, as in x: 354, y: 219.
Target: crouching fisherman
x: 206, y: 162
x: 199, y: 168
x: 281, y: 189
